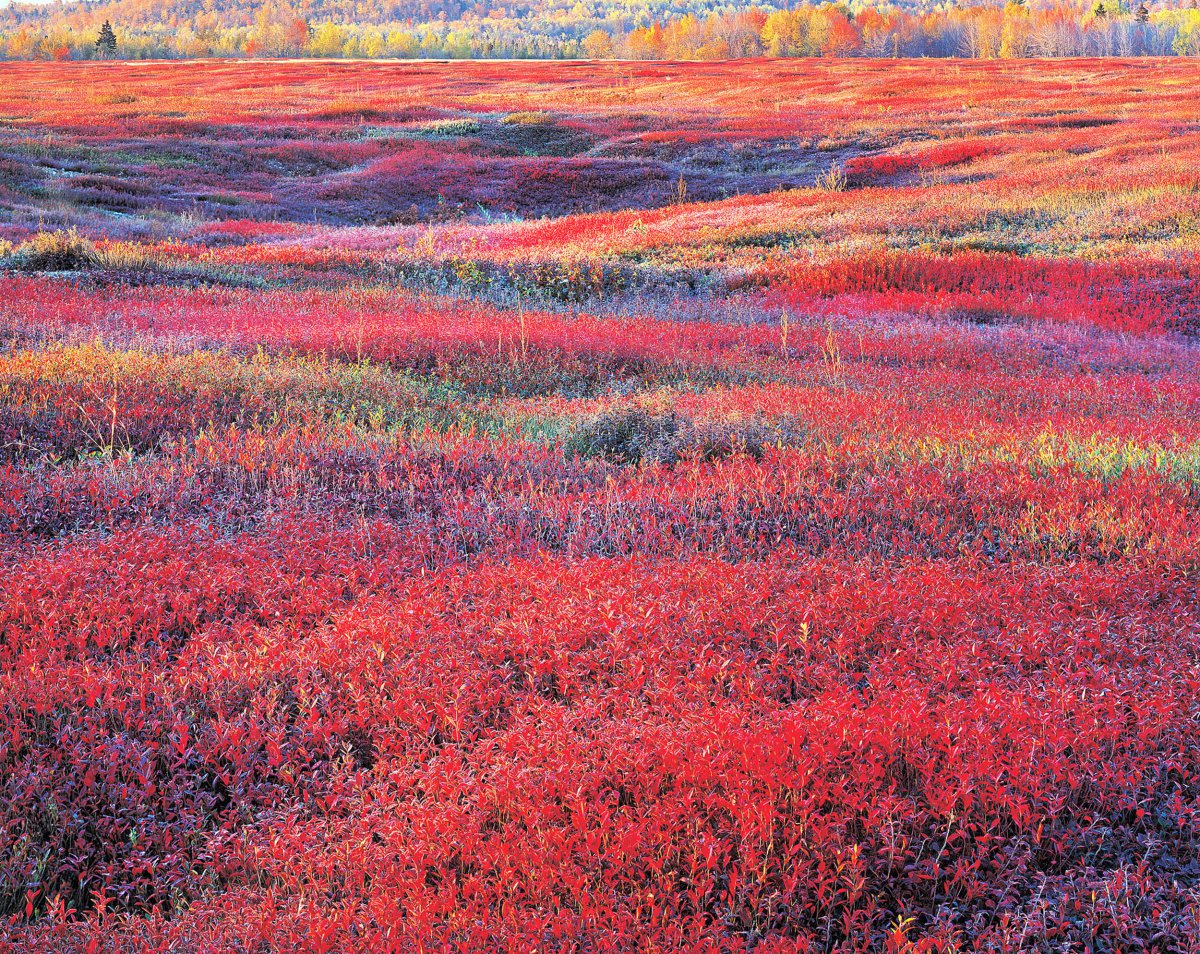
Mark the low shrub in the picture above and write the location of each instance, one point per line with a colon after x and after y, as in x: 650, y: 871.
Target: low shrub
x: 55, y: 252
x: 634, y: 436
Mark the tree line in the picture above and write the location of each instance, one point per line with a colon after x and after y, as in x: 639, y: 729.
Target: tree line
x: 1020, y: 28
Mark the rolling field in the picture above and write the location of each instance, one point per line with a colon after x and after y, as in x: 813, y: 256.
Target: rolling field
x: 600, y: 507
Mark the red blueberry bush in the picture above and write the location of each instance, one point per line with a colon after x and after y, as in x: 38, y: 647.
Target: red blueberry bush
x: 453, y: 508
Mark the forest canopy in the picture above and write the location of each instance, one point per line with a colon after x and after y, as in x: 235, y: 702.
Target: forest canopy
x: 554, y: 29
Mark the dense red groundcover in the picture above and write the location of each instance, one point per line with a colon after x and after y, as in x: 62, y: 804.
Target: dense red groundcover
x: 439, y: 512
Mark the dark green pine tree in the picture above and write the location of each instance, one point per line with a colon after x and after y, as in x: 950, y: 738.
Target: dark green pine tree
x: 106, y: 42
x: 1143, y: 15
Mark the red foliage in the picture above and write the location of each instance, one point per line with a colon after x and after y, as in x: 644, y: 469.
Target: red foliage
x: 799, y: 570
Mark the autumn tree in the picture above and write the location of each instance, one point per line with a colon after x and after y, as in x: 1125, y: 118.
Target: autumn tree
x: 597, y: 45
x: 278, y: 31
